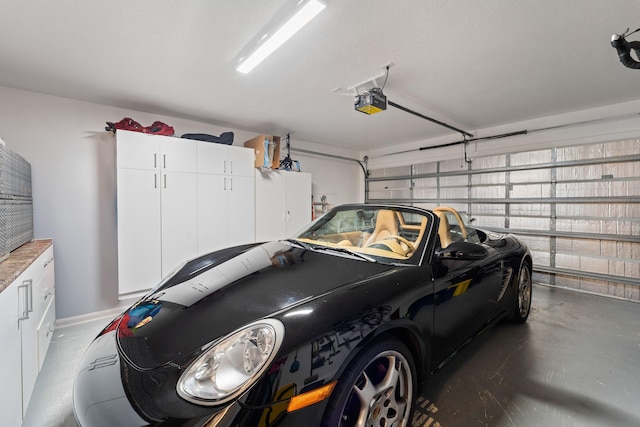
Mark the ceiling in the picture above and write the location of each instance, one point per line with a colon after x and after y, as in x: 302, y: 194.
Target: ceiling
x: 473, y: 64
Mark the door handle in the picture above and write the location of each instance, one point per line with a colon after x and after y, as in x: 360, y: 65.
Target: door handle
x: 27, y: 305
x: 30, y: 301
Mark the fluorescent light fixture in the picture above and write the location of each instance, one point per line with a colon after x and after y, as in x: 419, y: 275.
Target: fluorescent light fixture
x: 267, y: 42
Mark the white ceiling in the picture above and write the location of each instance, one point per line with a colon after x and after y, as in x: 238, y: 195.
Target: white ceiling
x: 473, y: 64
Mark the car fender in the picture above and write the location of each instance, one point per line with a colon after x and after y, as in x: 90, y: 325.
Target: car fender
x: 336, y: 340
x: 409, y: 333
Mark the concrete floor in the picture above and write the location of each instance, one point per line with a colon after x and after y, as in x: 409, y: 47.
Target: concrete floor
x: 575, y: 363
x: 51, y: 401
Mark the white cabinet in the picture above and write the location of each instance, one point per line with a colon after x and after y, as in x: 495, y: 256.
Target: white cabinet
x: 10, y: 358
x: 225, y: 196
x: 27, y: 320
x: 139, y: 228
x: 36, y: 290
x: 179, y: 227
x: 178, y: 198
x: 157, y: 189
x: 283, y: 203
x: 223, y: 159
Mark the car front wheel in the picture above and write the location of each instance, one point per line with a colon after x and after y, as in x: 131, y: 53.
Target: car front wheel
x: 523, y: 295
x: 376, y: 389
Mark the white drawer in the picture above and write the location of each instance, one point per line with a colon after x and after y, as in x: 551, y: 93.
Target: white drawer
x: 46, y: 257
x: 44, y: 290
x: 45, y: 330
x: 31, y: 295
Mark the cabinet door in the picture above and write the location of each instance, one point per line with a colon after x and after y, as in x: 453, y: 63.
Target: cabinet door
x: 177, y: 155
x: 298, y: 201
x: 241, y: 161
x: 270, y: 206
x: 212, y: 213
x: 212, y: 158
x: 179, y: 219
x: 10, y: 359
x: 139, y: 255
x: 28, y: 282
x: 137, y: 150
x: 241, y: 210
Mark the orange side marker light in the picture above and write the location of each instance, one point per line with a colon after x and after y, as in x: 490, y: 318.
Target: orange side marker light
x: 309, y: 398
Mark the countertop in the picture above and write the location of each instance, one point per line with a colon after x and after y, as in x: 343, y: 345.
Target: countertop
x: 20, y: 259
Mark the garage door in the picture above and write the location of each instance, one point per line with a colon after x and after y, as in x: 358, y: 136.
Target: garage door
x: 578, y: 208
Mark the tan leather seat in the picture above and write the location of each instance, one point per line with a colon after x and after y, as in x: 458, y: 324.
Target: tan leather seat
x: 386, y: 225
x: 443, y: 229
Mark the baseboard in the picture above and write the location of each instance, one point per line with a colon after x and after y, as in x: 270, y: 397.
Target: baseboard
x: 90, y: 317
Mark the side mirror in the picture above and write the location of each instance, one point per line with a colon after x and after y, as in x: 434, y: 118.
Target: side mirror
x: 465, y: 251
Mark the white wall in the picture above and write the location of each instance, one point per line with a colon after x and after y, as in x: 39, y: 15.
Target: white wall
x: 74, y: 185
x: 340, y: 180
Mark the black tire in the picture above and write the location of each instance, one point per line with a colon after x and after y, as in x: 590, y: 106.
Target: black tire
x: 522, y: 300
x: 386, y: 396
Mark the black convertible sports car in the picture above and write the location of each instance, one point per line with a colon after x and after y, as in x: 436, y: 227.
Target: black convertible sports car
x: 334, y: 327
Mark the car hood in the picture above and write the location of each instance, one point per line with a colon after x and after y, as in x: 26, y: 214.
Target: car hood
x: 217, y: 294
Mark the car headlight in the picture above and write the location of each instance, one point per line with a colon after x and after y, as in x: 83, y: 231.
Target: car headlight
x: 232, y: 365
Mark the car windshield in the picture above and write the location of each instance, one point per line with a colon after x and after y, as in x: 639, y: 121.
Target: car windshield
x: 370, y: 232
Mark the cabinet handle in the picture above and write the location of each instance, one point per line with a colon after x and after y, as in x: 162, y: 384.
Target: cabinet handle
x: 47, y: 262
x: 224, y: 166
x: 164, y: 161
x: 155, y: 180
x: 231, y: 166
x: 231, y: 181
x: 28, y: 299
x: 155, y: 160
x: 224, y: 186
x: 50, y: 329
x: 165, y: 180
x: 24, y: 314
